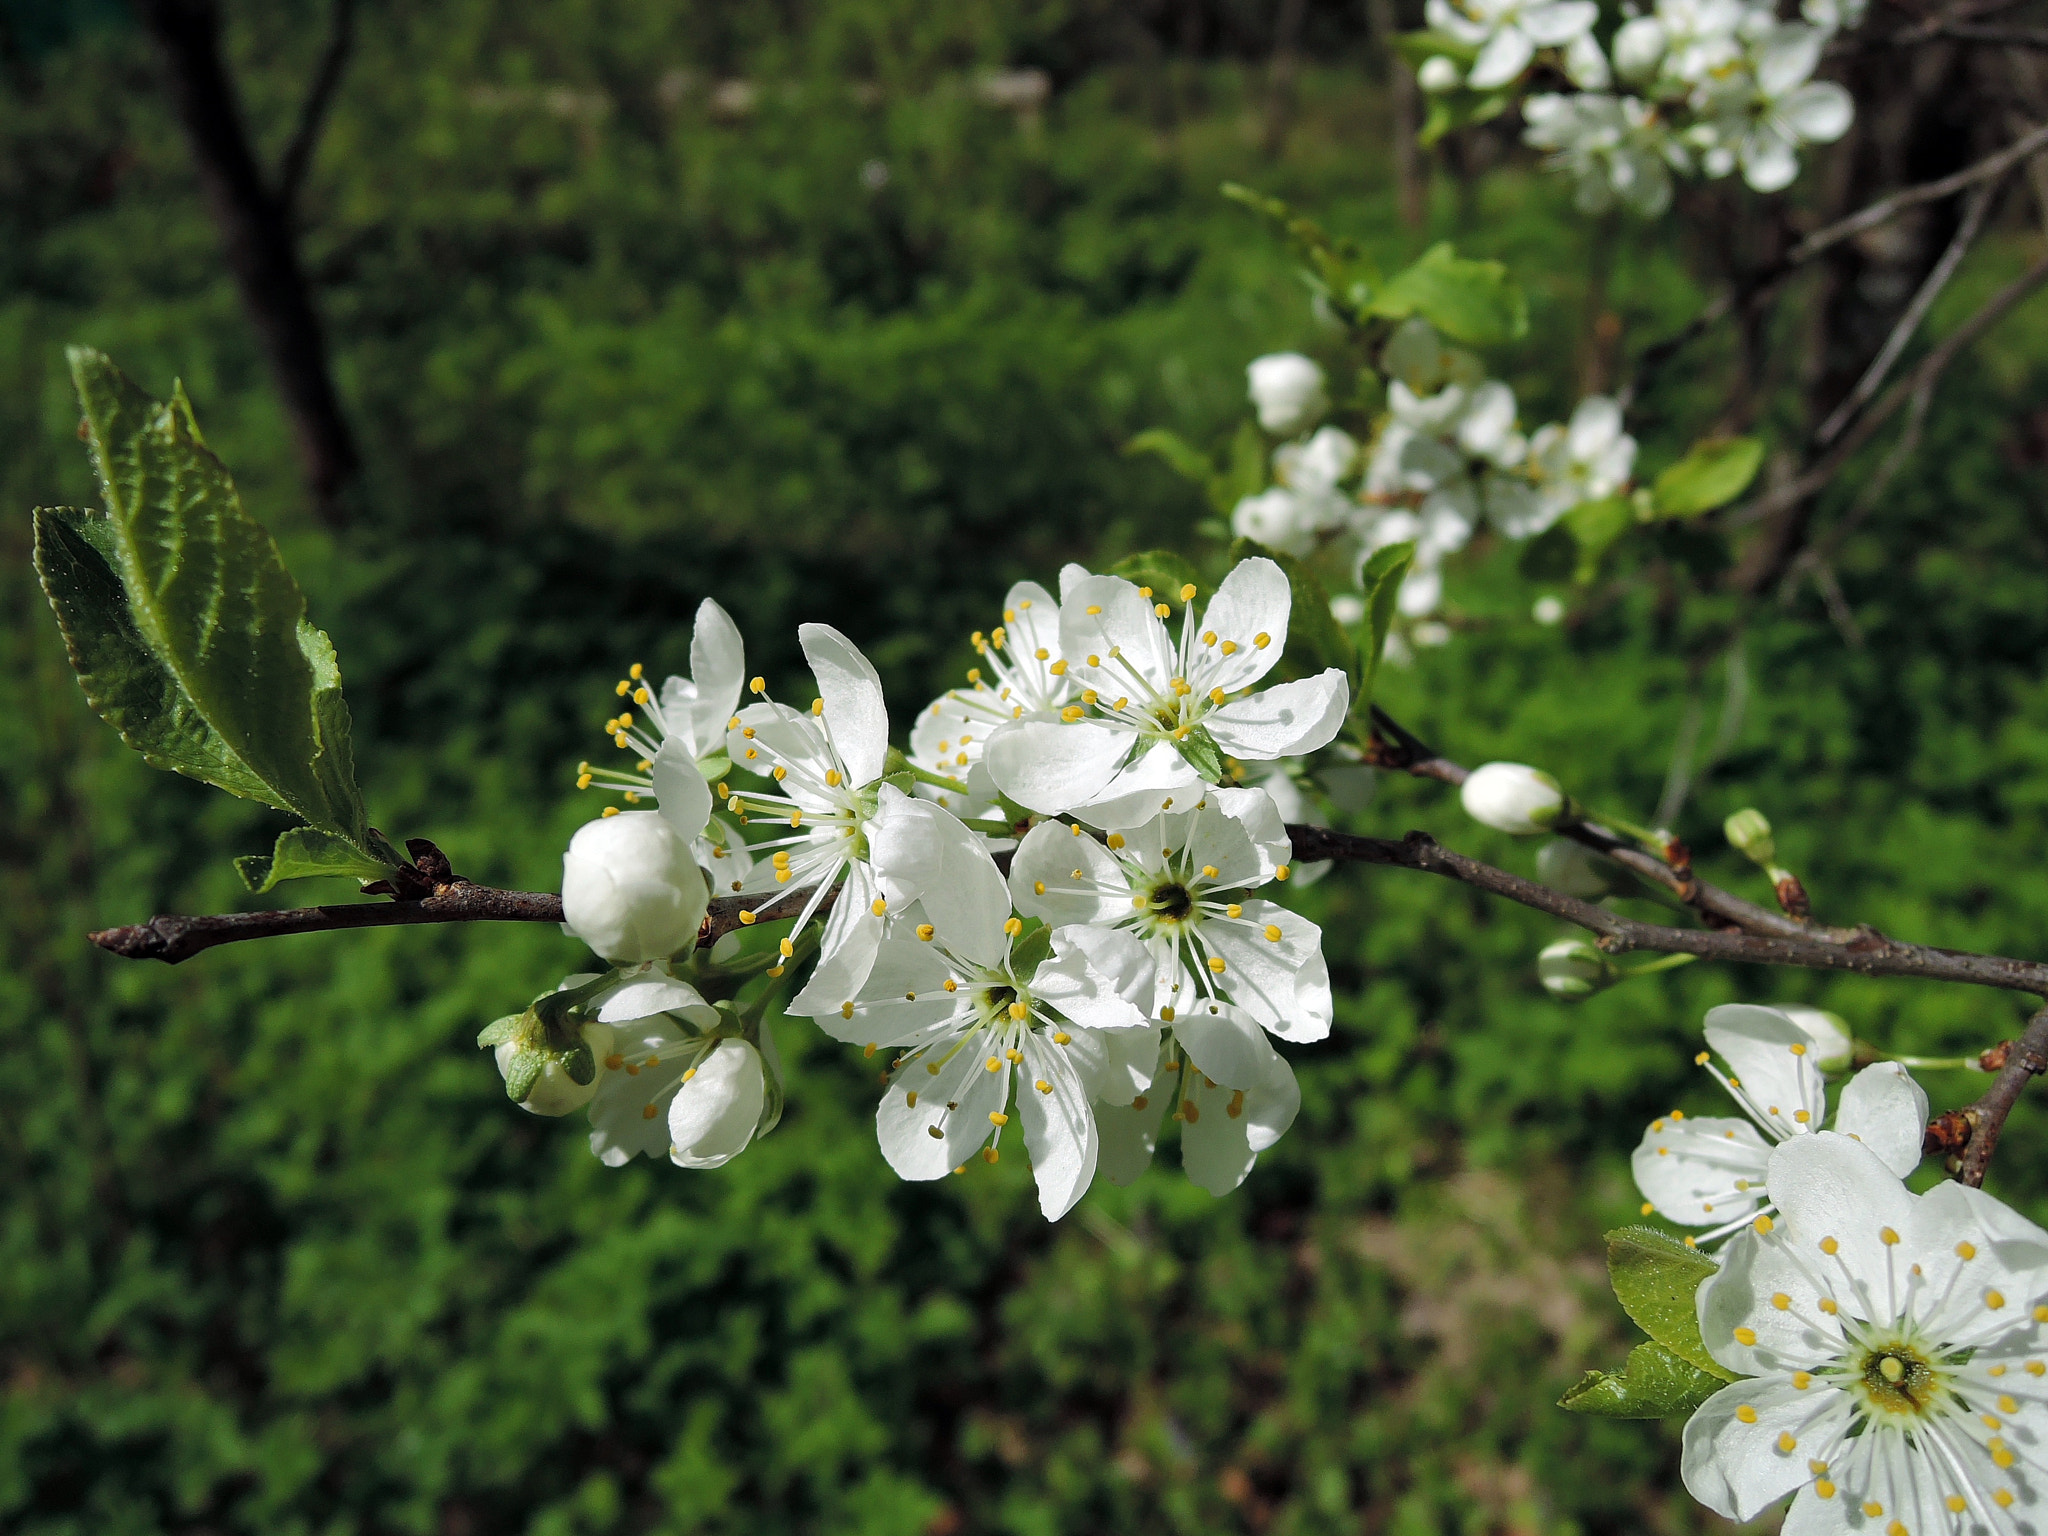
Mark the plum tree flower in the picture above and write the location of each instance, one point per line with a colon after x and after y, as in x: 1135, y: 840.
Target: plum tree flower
x: 1889, y: 1349
x: 1710, y: 1170
x: 1228, y: 967
x: 1164, y: 714
x: 826, y: 765
x: 1587, y: 460
x: 631, y: 888
x: 1286, y: 391
x: 678, y: 737
x: 1507, y: 33
x: 1304, y: 504
x: 968, y: 1001
x: 1783, y: 108
x: 1222, y: 1129
x: 1029, y: 679
x: 669, y: 1081
x: 1617, y: 149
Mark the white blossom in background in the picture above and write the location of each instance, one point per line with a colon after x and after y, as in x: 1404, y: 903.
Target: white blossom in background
x: 826, y: 765
x: 678, y: 739
x: 1507, y: 33
x: 1222, y: 1129
x: 1589, y: 459
x: 948, y: 995
x: 1228, y: 967
x: 1616, y: 149
x: 1890, y: 1350
x: 1305, y: 503
x: 631, y: 888
x: 1028, y: 678
x: 1439, y: 74
x: 1116, y: 757
x: 1765, y: 119
x: 1710, y: 1170
x: 1286, y: 391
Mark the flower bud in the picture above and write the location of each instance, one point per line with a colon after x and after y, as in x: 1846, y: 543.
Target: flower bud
x: 548, y: 1055
x: 1834, y: 1048
x: 1573, y: 968
x: 1748, y: 831
x: 1438, y: 74
x: 1513, y: 797
x: 715, y: 1111
x: 631, y: 889
x: 1287, y: 391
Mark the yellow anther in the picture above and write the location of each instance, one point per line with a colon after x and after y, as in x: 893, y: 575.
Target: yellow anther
x: 1282, y: 872
x: 997, y: 1117
x: 2008, y: 1405
x: 1745, y: 1335
x: 1828, y: 1306
x: 1058, y: 668
x: 1116, y: 839
x: 846, y: 1010
x: 778, y: 773
x: 1824, y: 1488
x: 641, y: 696
x: 583, y: 781
x: 1161, y: 609
x: 625, y: 719
x: 1216, y: 696
x: 990, y: 1155
x: 649, y: 1112
x: 1966, y: 1250
x: 1041, y: 653
x: 1801, y: 1380
x: 1190, y: 1111
x: 1093, y: 609
x: 623, y: 688
x: 1830, y: 1247
x: 871, y: 1048
x: 925, y: 932
x: 1061, y: 1038
x: 1782, y: 1302
x: 1786, y: 1444
x: 1647, y: 1208
x: 952, y: 985
x: 1071, y: 713
x: 1166, y: 1014
x: 1746, y: 1413
x: 994, y: 1064
x: 1042, y: 1086
x: 1209, y: 637
x: 1216, y: 964
x: 1261, y: 640
x: 610, y: 810
x: 1089, y: 695
x: 1120, y: 703
x: 788, y: 949
x: 2035, y: 1367
x: 878, y: 906
x: 1801, y: 1116
x: 1994, y: 1300
x: 1210, y: 872
x: 747, y: 733
x: 1013, y: 926
x: 1887, y: 1236
x: 1235, y: 1107
x: 1187, y: 592
x: 1762, y: 1225
x: 614, y: 1061
x: 2002, y: 1497
x: 1798, y: 1050
x: 2041, y: 1314
x: 910, y: 1099
x: 759, y: 685
x: 747, y: 919
x: 1956, y: 1503
x: 1273, y: 932
x: 817, y: 706
x: 1019, y: 1011
x: 935, y: 1133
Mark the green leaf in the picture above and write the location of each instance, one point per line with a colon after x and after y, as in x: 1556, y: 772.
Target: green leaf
x: 302, y: 852
x: 1315, y: 640
x: 1470, y: 301
x: 1161, y: 570
x: 1246, y: 475
x: 1655, y: 1384
x: 1030, y: 949
x: 1655, y: 1278
x: 1202, y: 754
x: 1712, y: 474
x: 1418, y: 48
x: 1594, y: 526
x: 1380, y: 581
x: 1451, y: 110
x: 1181, y: 456
x: 1339, y: 271
x: 208, y: 599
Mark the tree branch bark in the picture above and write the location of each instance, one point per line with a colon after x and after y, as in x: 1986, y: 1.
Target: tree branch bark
x: 298, y: 155
x: 256, y: 233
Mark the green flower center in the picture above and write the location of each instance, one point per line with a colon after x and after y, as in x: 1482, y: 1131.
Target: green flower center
x: 1896, y: 1379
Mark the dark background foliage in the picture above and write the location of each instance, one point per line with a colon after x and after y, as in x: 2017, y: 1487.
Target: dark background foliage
x: 634, y: 303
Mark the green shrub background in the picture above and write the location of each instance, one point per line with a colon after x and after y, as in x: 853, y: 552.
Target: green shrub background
x: 275, y: 1254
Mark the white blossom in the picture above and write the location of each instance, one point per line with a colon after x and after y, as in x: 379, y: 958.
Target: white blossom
x: 1022, y: 653
x: 1588, y: 460
x: 1890, y: 1353
x: 631, y: 888
x: 554, y: 1091
x: 1439, y: 74
x: 1227, y: 967
x: 669, y: 1082
x: 1222, y: 1129
x: 1512, y: 797
x: 1617, y: 149
x: 678, y: 739
x: 1786, y: 108
x: 1286, y: 390
x: 1507, y: 33
x: 962, y: 1004
x: 1709, y: 1170
x: 1125, y: 750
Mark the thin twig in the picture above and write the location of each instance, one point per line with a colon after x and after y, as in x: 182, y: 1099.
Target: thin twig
x: 1985, y: 1119
x: 1888, y: 208
x: 1909, y: 322
x: 298, y: 155
x: 2007, y: 37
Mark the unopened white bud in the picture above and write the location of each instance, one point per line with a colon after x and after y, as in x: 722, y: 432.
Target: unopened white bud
x: 1834, y: 1048
x: 555, y: 1090
x: 1287, y: 391
x: 1438, y: 74
x: 1512, y: 797
x: 1574, y: 869
x: 1573, y: 968
x: 713, y: 1115
x: 631, y: 889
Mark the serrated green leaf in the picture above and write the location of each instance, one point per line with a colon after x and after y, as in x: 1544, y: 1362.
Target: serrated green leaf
x: 209, y: 599
x: 1315, y: 640
x: 1656, y: 1278
x: 1655, y: 1384
x: 1713, y: 473
x: 1380, y: 582
x: 1160, y: 569
x: 1470, y: 301
x: 304, y: 852
x: 1594, y: 526
x: 1031, y: 949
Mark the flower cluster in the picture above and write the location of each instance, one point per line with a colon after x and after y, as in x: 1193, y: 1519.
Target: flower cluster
x: 1447, y: 453
x: 1123, y: 969
x: 1706, y: 87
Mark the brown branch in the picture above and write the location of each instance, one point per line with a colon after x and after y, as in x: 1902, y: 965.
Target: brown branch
x: 1977, y: 1128
x: 298, y: 155
x: 1888, y: 208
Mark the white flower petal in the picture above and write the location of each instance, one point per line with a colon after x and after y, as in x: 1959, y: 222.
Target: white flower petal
x: 1787, y: 56
x: 718, y: 669
x: 903, y: 1001
x: 1586, y: 65
x: 904, y: 1129
x: 1116, y: 1065
x: 1051, y: 766
x: 1128, y: 1136
x: 1769, y: 163
x: 1506, y: 55
x: 1265, y: 977
x: 1122, y: 621
x: 1099, y: 978
x: 1692, y: 1170
x: 712, y: 1117
x: 1559, y: 21
x: 920, y: 851
x: 1286, y: 720
x: 1253, y: 599
x: 1048, y: 856
x: 1224, y: 1044
x: 1736, y: 1468
x: 1754, y: 1270
x: 1155, y: 781
x: 852, y: 691
x: 1819, y: 111
x: 1771, y: 1058
x: 1258, y: 812
x: 846, y: 950
x: 1830, y: 1185
x: 646, y: 996
x: 683, y: 798
x: 1271, y: 1107
x: 1059, y: 1127
x: 1883, y: 1108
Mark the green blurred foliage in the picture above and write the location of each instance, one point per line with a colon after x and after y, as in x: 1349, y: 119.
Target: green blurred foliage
x: 276, y: 1256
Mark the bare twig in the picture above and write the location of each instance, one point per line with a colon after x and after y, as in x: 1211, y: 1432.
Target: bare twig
x: 2006, y: 37
x: 1909, y: 322
x: 298, y: 155
x: 1984, y: 1121
x: 1888, y: 208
